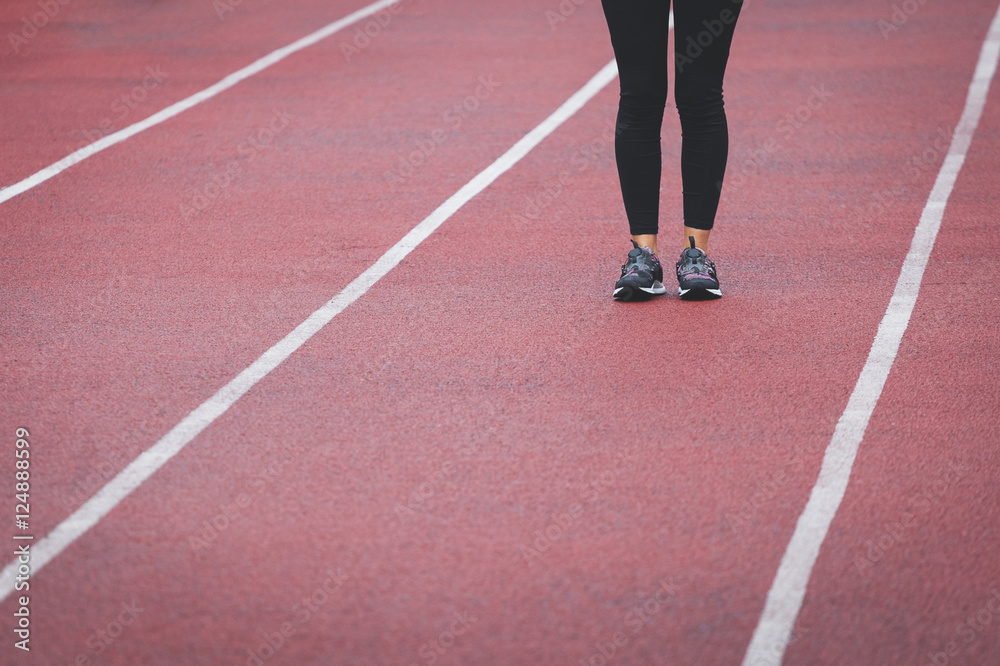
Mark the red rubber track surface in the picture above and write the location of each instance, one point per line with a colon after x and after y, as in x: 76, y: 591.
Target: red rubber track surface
x: 488, y: 397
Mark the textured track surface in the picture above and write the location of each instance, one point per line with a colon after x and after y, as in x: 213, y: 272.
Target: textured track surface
x: 486, y: 460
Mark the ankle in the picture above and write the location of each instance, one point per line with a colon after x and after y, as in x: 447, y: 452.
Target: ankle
x: 647, y: 241
x: 700, y: 238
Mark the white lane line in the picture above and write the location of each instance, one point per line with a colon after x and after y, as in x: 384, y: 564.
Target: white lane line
x: 195, y: 99
x: 160, y: 453
x: 789, y: 588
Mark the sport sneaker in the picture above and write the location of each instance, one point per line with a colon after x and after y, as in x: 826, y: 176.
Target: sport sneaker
x: 696, y: 275
x: 642, y: 276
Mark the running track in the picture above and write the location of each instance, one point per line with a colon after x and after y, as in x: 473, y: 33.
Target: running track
x: 484, y: 459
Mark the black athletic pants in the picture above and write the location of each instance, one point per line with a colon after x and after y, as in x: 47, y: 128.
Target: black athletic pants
x: 703, y: 32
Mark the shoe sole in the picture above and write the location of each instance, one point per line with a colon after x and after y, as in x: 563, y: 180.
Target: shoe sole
x: 699, y: 294
x: 629, y: 293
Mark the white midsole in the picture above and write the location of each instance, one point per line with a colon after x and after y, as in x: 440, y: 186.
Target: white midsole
x: 717, y: 292
x: 657, y: 288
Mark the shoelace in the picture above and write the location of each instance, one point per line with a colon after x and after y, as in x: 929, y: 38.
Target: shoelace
x: 695, y: 263
x: 645, y: 261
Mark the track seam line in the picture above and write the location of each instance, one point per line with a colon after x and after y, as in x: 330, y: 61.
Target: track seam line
x: 784, y: 600
x: 177, y: 108
x: 140, y: 469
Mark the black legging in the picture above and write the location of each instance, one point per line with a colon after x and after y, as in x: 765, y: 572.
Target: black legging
x: 703, y: 31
